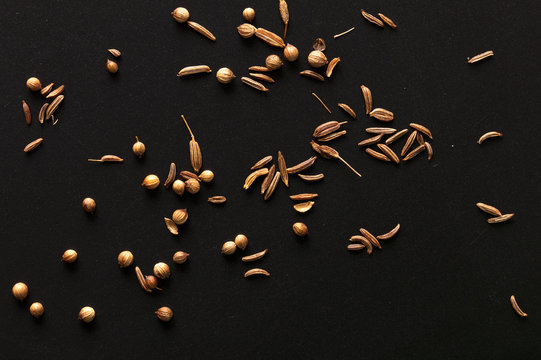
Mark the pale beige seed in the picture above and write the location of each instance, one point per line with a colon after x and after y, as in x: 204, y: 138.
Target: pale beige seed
x: 331, y: 66
x: 372, y: 18
x: 367, y: 95
x: 327, y: 128
x: 178, y: 187
x: 27, y: 114
x: 196, y: 69
x: 264, y: 161
x: 206, y: 176
x: 54, y: 105
x: 256, y: 271
x: 387, y: 21
x: 302, y: 166
x: 481, y: 56
x: 272, y: 186
x: 344, y: 33
x: 241, y: 241
x: 225, y: 75
x: 355, y: 247
x: 273, y: 62
x: 390, y: 234
x: 370, y: 237
x: 259, y: 68
x: 255, y: 84
x: 171, y: 226
x: 332, y: 136
x: 420, y: 139
x: 248, y: 14
x: 380, y: 130
x: 389, y: 153
x: 253, y: 176
x: 317, y: 59
x: 181, y: 15
x: 348, y: 110
x: 382, y: 114
x: 218, y: 199
x: 429, y: 150
x: 396, y: 136
x: 291, y: 53
x: 110, y: 158
x: 414, y: 152
x: 319, y: 44
x: 229, y: 248
x: 254, y: 257
x: 376, y: 154
x: 284, y: 14
x: 304, y: 207
x: 46, y: 89
x: 41, y: 116
x: 262, y: 77
x: 268, y: 179
x: 56, y: 92
x: 500, y: 219
x: 142, y: 280
x: 246, y: 30
x: 283, y: 169
x: 409, y: 142
x: 312, y: 74
x: 114, y: 52
x: 371, y: 141
x: 202, y: 30
x: 34, y: 144
x: 322, y: 103
x: 302, y: 197
x: 515, y: 306
x: 312, y: 178
x: 422, y: 129
x: 488, y: 135
x: 269, y: 37
x: 171, y: 175
x: 489, y: 209
x: 180, y: 216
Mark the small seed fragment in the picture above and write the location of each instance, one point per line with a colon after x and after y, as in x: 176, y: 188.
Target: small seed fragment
x: 371, y: 141
x: 331, y: 66
x: 382, y: 114
x: 489, y: 209
x: 304, y: 207
x: 481, y: 56
x: 414, y: 152
x: 422, y: 129
x: 254, y: 257
x: 202, y: 30
x: 390, y: 234
x: 344, y: 33
x: 312, y: 74
x: 376, y: 154
x: 409, y: 142
x: 218, y: 199
x: 319, y: 44
x: 348, y: 110
x: 142, y: 280
x: 500, y: 219
x: 332, y: 136
x: 516, y: 307
x: 171, y: 226
x: 387, y: 21
x: 372, y: 18
x: 196, y: 69
x: 380, y: 130
x: 367, y: 95
x: 268, y: 179
x: 34, y: 144
x: 54, y: 105
x: 253, y: 176
x: 171, y: 175
x: 270, y: 38
x: 322, y: 103
x: 305, y: 196
x: 255, y: 84
x: 272, y: 186
x: 420, y: 139
x: 262, y: 162
x: 389, y: 153
x: 396, y: 136
x: 256, y: 271
x: 114, y: 52
x: 312, y: 178
x: 262, y: 77
x: 488, y: 135
x: 55, y: 92
x: 27, y: 114
x: 283, y: 169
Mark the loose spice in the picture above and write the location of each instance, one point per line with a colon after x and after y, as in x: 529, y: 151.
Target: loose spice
x: 300, y: 229
x: 390, y: 234
x: 317, y: 59
x: 489, y: 209
x: 33, y: 84
x: 284, y: 14
x: 225, y: 75
x: 272, y: 186
x: 372, y: 18
x: 355, y: 247
x: 19, y: 291
x: 273, y: 62
x: 161, y: 270
x: 56, y: 92
x: 186, y: 175
x: 246, y: 30
x: 34, y: 144
x: 180, y: 216
x: 387, y: 21
x: 150, y: 182
x: 27, y: 114
x: 304, y: 207
x: 371, y: 141
x: 488, y: 135
x: 171, y: 175
x: 181, y: 14
x: 241, y: 241
x: 377, y: 155
x: 269, y: 37
x: 54, y: 105
x: 46, y: 89
x: 255, y: 84
x: 268, y: 179
x: 264, y: 161
x: 248, y: 14
x: 253, y: 176
x: 370, y: 238
x: 41, y: 116
x: 414, y: 152
x: 202, y: 30
x: 389, y: 153
x: 328, y: 153
x: 291, y: 53
x: 327, y: 128
x: 262, y: 77
x: 36, y: 310
x: 180, y: 257
x: 254, y: 257
x: 306, y: 196
x: 348, y: 110
x: 87, y: 314
x: 69, y: 256
x: 331, y: 66
x: 89, y: 205
x: 311, y: 178
x: 409, y: 142
x: 380, y: 130
x: 164, y: 313
x: 171, y: 226
x: 332, y: 136
x: 196, y: 158
x: 114, y: 52
x: 218, y: 199
x: 142, y: 280
x: 429, y: 150
x: 500, y: 219
x: 111, y: 66
x: 206, y: 176
x: 422, y: 129
x: 138, y: 148
x: 396, y: 136
x: 178, y: 187
x: 196, y: 69
x: 312, y: 74
x: 259, y: 68
x: 381, y: 114
x: 228, y: 248
x: 283, y: 169
x: 367, y: 95
x: 125, y: 259
x: 319, y: 44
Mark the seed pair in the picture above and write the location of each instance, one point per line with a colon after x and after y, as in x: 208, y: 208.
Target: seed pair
x: 498, y: 216
x: 374, y: 20
x: 181, y: 15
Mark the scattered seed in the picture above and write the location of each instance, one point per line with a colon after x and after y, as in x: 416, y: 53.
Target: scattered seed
x: 344, y: 33
x: 171, y: 226
x: 225, y: 75
x: 481, y: 56
x: 217, y: 199
x: 284, y: 14
x: 312, y: 178
x: 348, y: 110
x: 262, y: 162
x: 389, y: 153
x: 272, y: 186
x: 322, y: 103
x: 107, y: 158
x: 268, y: 179
x: 283, y: 169
x: 252, y: 272
x: 253, y: 176
x: 246, y: 30
x: 111, y: 66
x: 54, y: 105
x: 488, y: 135
x: 332, y: 136
x: 302, y: 197
x: 371, y: 141
x: 196, y: 69
x: 380, y: 130
x: 186, y: 175
x: 414, y: 152
x: 355, y: 247
x: 489, y: 209
x: 27, y: 114
x: 387, y: 21
x: 270, y: 38
x: 327, y: 128
x: 319, y: 44
x: 370, y: 238
x: 357, y: 238
x: 372, y: 18
x: 382, y: 114
x: 41, y: 116
x: 429, y: 150
x: 516, y: 307
x: 422, y: 129
x: 259, y: 68
x: 44, y: 91
x: 376, y: 154
x: 34, y: 144
x: 114, y: 52
x: 396, y: 136
x: 304, y: 207
x: 171, y: 175
x: 500, y: 219
x: 367, y: 95
x: 262, y: 77
x: 202, y: 30
x: 196, y: 158
x: 390, y: 234
x: 55, y: 92
x: 142, y: 280
x: 365, y: 242
x: 256, y: 85
x: 331, y: 66
x: 302, y: 166
x: 328, y: 153
x: 254, y: 257
x: 409, y: 142
x: 312, y: 74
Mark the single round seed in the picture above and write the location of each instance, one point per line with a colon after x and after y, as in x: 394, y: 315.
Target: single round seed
x: 180, y: 216
x: 246, y: 30
x: 241, y: 241
x: 181, y: 14
x: 248, y: 14
x: 300, y: 229
x: 225, y: 75
x: 273, y: 62
x: 36, y: 310
x: 33, y: 84
x: 291, y: 53
x: 178, y: 187
x: 164, y: 313
x: 161, y: 270
x: 317, y: 59
x: 89, y: 205
x: 180, y: 257
x: 20, y: 291
x: 125, y: 259
x: 87, y: 314
x: 151, y: 182
x: 112, y: 66
x: 192, y: 186
x: 138, y: 148
x: 228, y: 248
x: 69, y: 256
x: 152, y: 282
x: 206, y: 176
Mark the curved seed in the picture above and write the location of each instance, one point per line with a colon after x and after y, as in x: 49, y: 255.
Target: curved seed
x: 370, y: 141
x: 268, y: 179
x: 41, y: 116
x: 302, y: 166
x: 46, y: 89
x: 254, y: 257
x: 382, y: 114
x: 380, y: 130
x: 304, y: 207
x: 306, y: 196
x: 114, y: 52
x: 500, y: 219
x: 171, y: 226
x: 218, y: 199
x: 489, y: 209
x: 256, y: 271
x: 488, y: 135
x: 372, y: 18
x: 390, y: 153
x: 27, y: 114
x: 387, y: 21
x: 367, y: 244
x: 34, y: 144
x: 272, y: 186
x: 253, y: 176
x: 396, y: 136
x: 56, y: 92
x: 259, y: 68
x: 409, y: 142
x: 186, y: 175
x: 515, y: 306
x: 331, y: 66
x: 422, y: 129
x: 390, y: 234
x: 196, y: 69
x: 251, y: 82
x: 429, y: 150
x: 332, y: 136
x: 262, y: 77
x: 370, y: 238
x: 270, y: 38
x: 262, y: 162
x: 348, y: 110
x: 357, y: 238
x: 327, y: 128
x: 414, y: 152
x: 312, y: 74
x: 283, y: 169
x: 201, y: 29
x: 171, y: 175
x: 142, y: 280
x: 481, y: 56
x: 420, y: 139
x: 367, y: 95
x: 319, y: 44
x: 376, y: 154
x: 355, y: 247
x: 54, y: 105
x: 312, y: 178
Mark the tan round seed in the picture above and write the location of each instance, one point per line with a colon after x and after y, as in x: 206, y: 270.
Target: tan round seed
x: 164, y: 313
x: 151, y: 182
x: 300, y: 229
x: 241, y: 241
x: 180, y: 216
x: 20, y: 291
x: 248, y: 14
x: 87, y: 314
x: 89, y: 205
x: 246, y: 30
x: 192, y: 186
x: 273, y: 62
x: 138, y: 148
x: 180, y: 257
x: 181, y: 14
x: 69, y: 256
x: 178, y: 187
x: 112, y: 66
x: 225, y: 75
x: 228, y: 248
x: 317, y: 59
x: 161, y: 270
x: 37, y: 310
x: 291, y: 53
x: 33, y: 84
x: 206, y: 176
x: 125, y: 259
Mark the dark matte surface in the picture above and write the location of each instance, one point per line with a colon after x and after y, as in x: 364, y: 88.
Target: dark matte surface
x: 439, y: 290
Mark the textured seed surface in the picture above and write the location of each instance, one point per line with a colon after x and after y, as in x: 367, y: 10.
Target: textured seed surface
x: 422, y: 129
x: 326, y: 128
x: 389, y: 153
x: 41, y: 116
x: 255, y: 84
x: 54, y: 105
x: 256, y: 271
x: 196, y: 69
x: 303, y: 197
x: 312, y: 74
x: 304, y: 207
x: 272, y: 186
x: 171, y: 226
x: 370, y: 238
x: 515, y: 306
x: 34, y: 144
x: 414, y: 152
x: 429, y: 150
x: 409, y: 142
x: 480, y: 57
x: 355, y: 247
x: 348, y: 110
x: 332, y: 136
x: 387, y: 21
x: 27, y: 114
x: 396, y: 136
x: 201, y: 29
x: 382, y: 114
x: 262, y: 162
x: 302, y: 166
x: 218, y: 199
x: 380, y: 130
x: 371, y: 141
x: 488, y: 135
x: 500, y: 219
x: 372, y: 18
x: 312, y: 178
x: 367, y: 95
x: 283, y: 169
x: 489, y: 209
x: 56, y: 92
x: 270, y: 38
x: 377, y: 154
x: 254, y: 257
x: 259, y: 68
x: 268, y: 179
x: 262, y: 77
x: 171, y: 175
x: 253, y: 176
x: 390, y: 234
x: 142, y: 280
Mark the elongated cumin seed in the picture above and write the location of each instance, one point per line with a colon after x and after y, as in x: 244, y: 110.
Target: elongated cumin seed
x: 54, y: 105
x: 331, y: 66
x: 195, y: 69
x: 396, y: 136
x: 390, y: 234
x: 27, y: 114
x: 414, y: 152
x: 370, y: 237
x: 382, y: 114
x: 108, y: 158
x: 262, y: 77
x: 387, y: 21
x: 270, y: 38
x: 372, y: 18
x: 171, y: 175
x: 429, y: 150
x: 500, y: 219
x: 171, y: 226
x: 202, y: 30
x: 489, y: 209
x: 515, y: 306
x: 306, y: 164
x: 218, y: 199
x: 327, y: 128
x: 322, y: 103
x: 344, y: 33
x: 363, y: 241
x: 312, y: 178
x: 253, y: 176
x: 262, y: 162
x: 34, y: 144
x: 186, y: 175
x: 481, y: 56
x: 114, y: 52
x: 303, y: 197
x: 304, y: 206
x: 284, y: 14
x: 367, y: 96
x: 256, y: 85
x: 355, y: 247
x: 348, y: 110
x: 409, y: 142
x: 142, y: 280
x: 420, y: 139
x: 272, y: 186
x: 422, y: 129
x: 41, y: 116
x: 380, y: 130
x: 268, y: 179
x: 376, y: 154
x: 255, y: 257
x: 370, y: 141
x: 389, y: 153
x: 488, y: 135
x: 56, y: 92
x: 332, y: 136
x: 259, y: 68
x: 312, y: 74
x: 256, y: 271
x: 283, y: 169
x: 357, y: 238
x: 46, y: 89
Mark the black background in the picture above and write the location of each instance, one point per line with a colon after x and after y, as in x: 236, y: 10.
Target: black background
x: 438, y: 290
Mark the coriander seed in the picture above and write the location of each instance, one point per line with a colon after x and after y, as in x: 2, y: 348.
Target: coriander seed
x: 241, y: 241
x: 192, y: 186
x: 206, y: 176
x: 20, y: 291
x: 151, y: 182
x: 180, y: 257
x: 112, y: 66
x: 180, y: 216
x: 300, y: 229
x: 138, y: 148
x: 33, y: 84
x: 181, y: 14
x: 87, y: 314
x: 89, y: 205
x: 125, y: 259
x: 69, y: 256
x: 164, y: 313
x: 246, y: 30
x: 161, y: 270
x: 36, y: 310
x: 291, y: 53
x: 152, y: 282
x: 228, y: 248
x: 178, y: 187
x: 273, y: 62
x: 225, y: 75
x: 317, y: 59
x: 248, y: 14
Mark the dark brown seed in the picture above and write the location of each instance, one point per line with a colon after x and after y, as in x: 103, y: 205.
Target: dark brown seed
x: 251, y: 82
x: 41, y: 116
x: 302, y: 166
x: 365, y: 242
x: 367, y: 95
x: 186, y: 175
x: 259, y: 68
x: 54, y: 105
x: 201, y: 29
x: 312, y: 178
x: 422, y: 129
x: 382, y: 114
x: 371, y: 141
x: 34, y: 144
x: 272, y: 186
x: 390, y: 234
x: 27, y: 114
x: 332, y: 136
x: 488, y: 135
x: 414, y: 152
x: 376, y: 154
x: 171, y: 175
x: 46, y: 89
x: 303, y: 197
x: 268, y: 179
x: 262, y: 162
x: 312, y: 74
x: 429, y: 150
x: 390, y: 153
x: 270, y: 38
x: 355, y: 247
x: 380, y: 130
x: 283, y: 169
x: 372, y: 18
x: 262, y: 77
x: 253, y: 176
x: 357, y: 238
x: 420, y: 139
x: 217, y: 199
x: 409, y: 142
x: 396, y: 136
x: 348, y: 110
x: 387, y: 21
x: 253, y: 272
x: 500, y: 219
x: 370, y: 238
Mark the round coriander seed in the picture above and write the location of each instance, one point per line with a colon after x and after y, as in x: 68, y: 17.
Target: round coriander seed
x: 151, y: 182
x: 181, y: 14
x: 248, y: 14
x: 206, y: 176
x: 180, y: 257
x: 300, y: 229
x: 246, y: 30
x: 164, y: 313
x: 228, y: 248
x: 291, y: 53
x: 87, y: 314
x: 180, y: 216
x: 192, y: 186
x: 225, y: 75
x: 112, y: 66
x: 89, y: 205
x: 152, y: 282
x: 37, y: 310
x: 33, y: 84
x: 138, y: 148
x: 241, y: 241
x: 273, y: 62
x: 178, y: 187
x: 125, y: 259
x: 161, y: 270
x: 317, y: 59
x: 20, y: 291
x: 69, y: 256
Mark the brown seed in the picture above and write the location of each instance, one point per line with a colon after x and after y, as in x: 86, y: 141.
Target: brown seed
x: 107, y: 159
x: 178, y: 187
x: 390, y: 234
x: 262, y: 77
x: 112, y: 66
x: 371, y: 141
x: 171, y: 175
x: 327, y: 128
x: 331, y: 66
x: 125, y: 259
x: 206, y: 176
x: 355, y: 247
x: 259, y: 68
x: 516, y: 307
x: 202, y: 30
x: 196, y: 69
x: 138, y: 148
x: 69, y: 256
x: 180, y: 257
x: 489, y: 209
x: 367, y: 95
x: 254, y: 257
x: 370, y: 238
x: 311, y: 178
x: 171, y: 226
x: 142, y: 280
x: 429, y: 150
x: 420, y: 139
x: 248, y: 14
x: 291, y: 53
x: 114, y: 52
x: 33, y: 84
x: 500, y: 219
x: 270, y: 37
x: 225, y: 75
x: 319, y: 44
x: 262, y: 162
x: 56, y: 92
x: 161, y: 270
x: 255, y: 84
x: 46, y: 89
x: 253, y: 272
x: 246, y: 30
x: 241, y: 241
x: 273, y: 62
x: 326, y: 151
x: 164, y: 313
x: 19, y: 291
x: 387, y: 21
x: 268, y: 179
x: 283, y: 169
x: 348, y: 110
x: 481, y: 56
x: 34, y: 144
x: 150, y: 182
x: 422, y: 129
x: 300, y: 229
x: 312, y: 74
x: 357, y: 238
x: 272, y: 186
x: 186, y: 175
x: 36, y: 310
x: 414, y: 152
x: 196, y: 159
x: 322, y: 103
x: 488, y: 135
x: 218, y: 199
x: 376, y: 154
x: 89, y: 205
x: 365, y: 242
x: 382, y: 114
x: 372, y: 18
x: 253, y: 176
x: 390, y: 153
x: 344, y: 33
x: 180, y: 14
x: 27, y: 114
x: 284, y: 14
x: 152, y: 282
x: 306, y: 196
x: 304, y: 207
x: 87, y: 314
x: 396, y: 136
x: 380, y: 130
x: 317, y: 59
x: 229, y: 248
x: 332, y: 136
x: 409, y: 142
x: 54, y: 105
x: 192, y: 186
